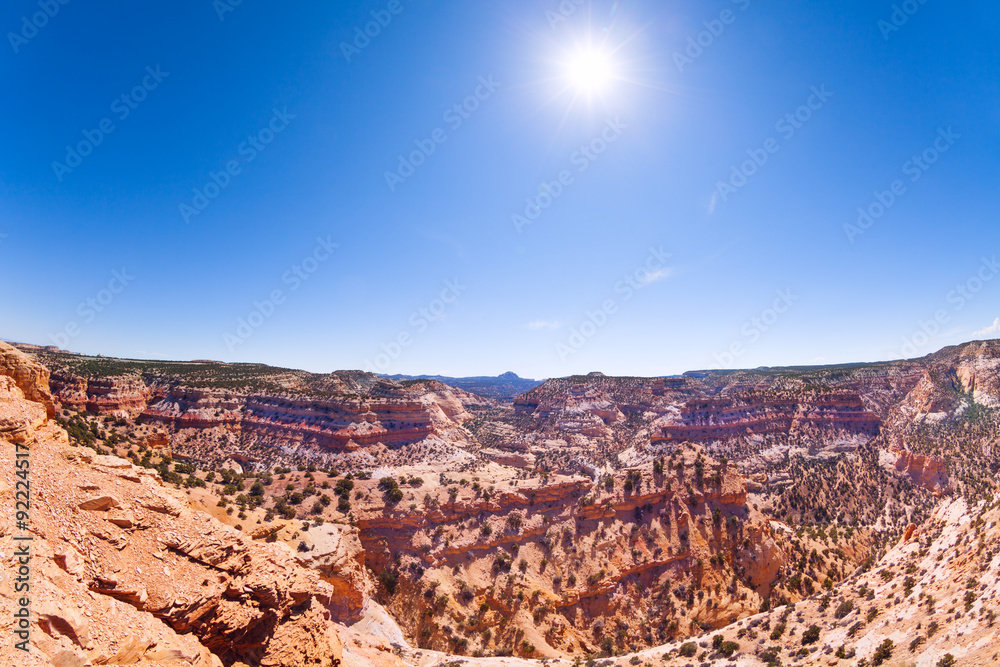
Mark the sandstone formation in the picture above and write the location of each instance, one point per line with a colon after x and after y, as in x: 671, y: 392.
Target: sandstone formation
x: 317, y: 416
x: 926, y: 471
x: 760, y: 413
x: 30, y: 377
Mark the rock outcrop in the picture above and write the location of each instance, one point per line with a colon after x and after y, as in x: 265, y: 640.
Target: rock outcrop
x: 336, y: 552
x: 31, y: 377
x: 120, y: 396
x: 809, y: 413
x: 928, y: 472
x: 978, y: 370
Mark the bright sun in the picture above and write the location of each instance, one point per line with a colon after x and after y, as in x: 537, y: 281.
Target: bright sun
x: 590, y: 71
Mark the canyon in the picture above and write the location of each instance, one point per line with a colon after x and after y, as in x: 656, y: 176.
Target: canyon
x: 240, y: 514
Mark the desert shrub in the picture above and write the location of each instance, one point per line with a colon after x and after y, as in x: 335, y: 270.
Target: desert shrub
x: 843, y: 654
x: 882, y: 653
x: 770, y: 656
x: 729, y: 648
x: 843, y: 609
x: 389, y: 581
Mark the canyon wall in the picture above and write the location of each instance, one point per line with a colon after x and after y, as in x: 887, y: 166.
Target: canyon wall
x: 761, y: 413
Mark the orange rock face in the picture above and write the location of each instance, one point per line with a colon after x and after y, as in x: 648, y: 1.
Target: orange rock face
x: 929, y: 472
x: 762, y: 413
x: 30, y: 377
x: 124, y: 396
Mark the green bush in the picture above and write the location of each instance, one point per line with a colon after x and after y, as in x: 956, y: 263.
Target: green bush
x: 810, y: 636
x: 729, y: 648
x: 882, y: 653
x: 770, y: 656
x: 845, y: 608
x: 389, y: 581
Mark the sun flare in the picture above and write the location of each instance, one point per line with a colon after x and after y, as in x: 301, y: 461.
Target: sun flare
x: 590, y: 71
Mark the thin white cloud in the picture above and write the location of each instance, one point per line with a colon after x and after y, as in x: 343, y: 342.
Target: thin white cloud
x: 656, y: 276
x: 991, y: 331
x: 539, y: 325
x: 712, y: 204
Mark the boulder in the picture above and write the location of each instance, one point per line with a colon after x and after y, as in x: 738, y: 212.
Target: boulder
x: 99, y: 504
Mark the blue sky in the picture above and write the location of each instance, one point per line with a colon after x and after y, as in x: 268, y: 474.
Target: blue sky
x: 638, y: 262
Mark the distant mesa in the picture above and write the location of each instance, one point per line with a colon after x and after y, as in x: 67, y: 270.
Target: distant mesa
x: 505, y: 387
x: 52, y: 349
